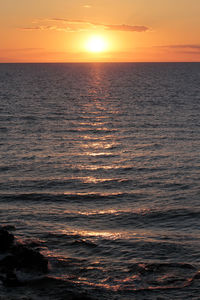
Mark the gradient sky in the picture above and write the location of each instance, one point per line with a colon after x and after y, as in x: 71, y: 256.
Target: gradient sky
x: 134, y: 30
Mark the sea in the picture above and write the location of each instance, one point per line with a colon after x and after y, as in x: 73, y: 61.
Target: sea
x: 100, y: 166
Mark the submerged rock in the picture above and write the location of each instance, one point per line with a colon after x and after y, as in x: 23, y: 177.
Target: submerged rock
x: 29, y: 259
x: 9, y: 227
x: 18, y: 261
x: 11, y: 280
x: 6, y: 240
x: 17, y: 257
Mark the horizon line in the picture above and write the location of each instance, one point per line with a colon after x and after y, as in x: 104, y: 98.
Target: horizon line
x: 94, y: 62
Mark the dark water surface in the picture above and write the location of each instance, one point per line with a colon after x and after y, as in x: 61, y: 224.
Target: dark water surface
x: 100, y: 163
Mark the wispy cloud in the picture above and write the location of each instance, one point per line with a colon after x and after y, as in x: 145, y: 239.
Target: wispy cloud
x: 46, y: 27
x: 42, y: 27
x: 193, y: 49
x: 73, y: 25
x: 124, y: 27
x: 186, y: 46
x: 21, y: 49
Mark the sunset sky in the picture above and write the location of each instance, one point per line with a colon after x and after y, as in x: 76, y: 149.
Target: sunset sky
x: 99, y: 30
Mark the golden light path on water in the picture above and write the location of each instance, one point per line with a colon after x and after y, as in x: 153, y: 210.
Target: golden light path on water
x: 100, y: 139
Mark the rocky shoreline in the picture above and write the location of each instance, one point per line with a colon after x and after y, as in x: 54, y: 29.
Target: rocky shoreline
x: 17, y: 258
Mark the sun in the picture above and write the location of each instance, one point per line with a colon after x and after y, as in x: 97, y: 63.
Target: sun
x: 96, y: 44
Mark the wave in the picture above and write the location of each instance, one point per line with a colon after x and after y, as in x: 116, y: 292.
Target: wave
x: 137, y: 278
x: 78, y: 196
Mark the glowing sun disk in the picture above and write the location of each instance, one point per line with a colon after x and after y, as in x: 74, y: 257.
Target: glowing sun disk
x: 96, y: 44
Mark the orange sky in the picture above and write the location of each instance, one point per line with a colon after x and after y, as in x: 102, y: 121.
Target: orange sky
x: 133, y: 30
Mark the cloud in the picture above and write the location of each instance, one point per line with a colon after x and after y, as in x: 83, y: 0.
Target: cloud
x: 69, y: 21
x: 21, y: 49
x: 30, y: 28
x: 38, y: 28
x: 190, y: 49
x: 181, y: 47
x: 178, y: 52
x: 74, y: 25
x: 53, y: 28
x: 124, y: 27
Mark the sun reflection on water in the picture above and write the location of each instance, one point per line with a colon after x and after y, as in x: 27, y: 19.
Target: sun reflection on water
x: 87, y: 233
x: 98, y: 138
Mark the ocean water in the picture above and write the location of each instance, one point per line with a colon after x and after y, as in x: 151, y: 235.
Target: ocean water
x: 100, y: 164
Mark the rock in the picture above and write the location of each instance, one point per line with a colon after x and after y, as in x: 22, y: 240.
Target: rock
x: 11, y: 280
x: 18, y: 257
x: 6, y: 240
x: 7, y: 263
x: 29, y: 259
x: 9, y: 227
